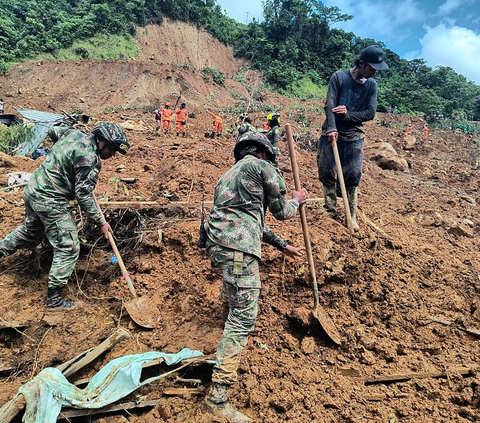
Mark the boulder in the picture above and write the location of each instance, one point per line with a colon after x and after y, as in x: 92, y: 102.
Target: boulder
x: 385, y: 156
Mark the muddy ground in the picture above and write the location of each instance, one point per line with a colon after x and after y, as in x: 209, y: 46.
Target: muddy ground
x: 415, y: 259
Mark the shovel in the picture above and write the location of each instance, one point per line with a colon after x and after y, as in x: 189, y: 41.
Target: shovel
x: 351, y: 229
x: 319, y: 314
x: 142, y: 310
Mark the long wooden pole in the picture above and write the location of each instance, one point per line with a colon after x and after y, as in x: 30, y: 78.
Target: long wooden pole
x: 340, y: 179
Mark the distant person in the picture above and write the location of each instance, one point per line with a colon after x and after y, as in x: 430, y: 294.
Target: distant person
x: 158, y: 117
x: 273, y: 134
x: 70, y: 172
x: 425, y: 132
x: 389, y: 110
x: 167, y: 114
x: 217, y: 124
x: 246, y: 126
x: 351, y: 100
x: 181, y: 121
x: 1, y: 106
x: 395, y: 110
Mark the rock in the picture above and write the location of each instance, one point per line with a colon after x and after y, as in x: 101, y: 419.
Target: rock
x: 367, y: 358
x: 468, y: 199
x: 410, y: 142
x: 459, y: 229
x: 308, y: 345
x: 6, y: 160
x: 385, y: 156
x: 82, y: 100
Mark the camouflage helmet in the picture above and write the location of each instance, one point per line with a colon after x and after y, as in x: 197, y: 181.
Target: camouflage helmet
x: 249, y: 143
x: 113, y: 134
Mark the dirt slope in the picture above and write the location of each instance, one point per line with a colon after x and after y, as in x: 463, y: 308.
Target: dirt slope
x: 416, y: 256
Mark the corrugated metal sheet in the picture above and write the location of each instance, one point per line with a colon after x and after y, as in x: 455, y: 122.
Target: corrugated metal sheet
x: 38, y: 116
x: 43, y: 121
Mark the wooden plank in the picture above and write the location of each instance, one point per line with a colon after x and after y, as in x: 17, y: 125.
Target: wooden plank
x: 401, y: 377
x: 71, y: 413
x: 14, y: 325
x: 9, y: 410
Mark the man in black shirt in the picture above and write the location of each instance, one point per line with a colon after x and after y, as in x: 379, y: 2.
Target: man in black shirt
x: 351, y: 100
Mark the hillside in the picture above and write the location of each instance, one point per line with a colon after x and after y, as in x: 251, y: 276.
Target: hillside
x: 415, y: 259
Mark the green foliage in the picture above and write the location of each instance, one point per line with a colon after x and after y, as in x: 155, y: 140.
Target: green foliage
x: 101, y: 47
x: 294, y: 47
x: 209, y: 74
x: 305, y: 89
x: 12, y: 136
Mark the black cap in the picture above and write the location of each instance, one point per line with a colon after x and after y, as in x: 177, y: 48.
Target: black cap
x: 373, y: 55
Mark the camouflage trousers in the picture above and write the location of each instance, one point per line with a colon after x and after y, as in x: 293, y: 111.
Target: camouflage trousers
x: 241, y: 288
x: 58, y: 225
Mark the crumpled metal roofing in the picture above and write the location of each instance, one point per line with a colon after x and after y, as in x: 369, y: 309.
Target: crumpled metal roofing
x: 43, y: 121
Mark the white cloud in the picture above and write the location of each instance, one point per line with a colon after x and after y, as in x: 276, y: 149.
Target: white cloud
x: 450, y: 5
x: 453, y: 46
x: 382, y: 20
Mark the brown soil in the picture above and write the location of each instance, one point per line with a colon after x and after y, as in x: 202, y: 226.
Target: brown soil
x: 415, y: 256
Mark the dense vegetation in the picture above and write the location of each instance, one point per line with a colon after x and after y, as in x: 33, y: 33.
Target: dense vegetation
x: 293, y: 46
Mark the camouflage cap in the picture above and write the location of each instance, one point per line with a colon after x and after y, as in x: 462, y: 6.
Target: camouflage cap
x: 113, y: 134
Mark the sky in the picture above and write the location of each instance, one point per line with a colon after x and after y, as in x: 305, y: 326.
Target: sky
x: 442, y: 32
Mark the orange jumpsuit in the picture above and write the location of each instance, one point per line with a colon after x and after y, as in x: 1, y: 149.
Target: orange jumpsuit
x: 217, y: 123
x: 425, y: 133
x: 181, y: 122
x: 409, y: 129
x: 166, y: 118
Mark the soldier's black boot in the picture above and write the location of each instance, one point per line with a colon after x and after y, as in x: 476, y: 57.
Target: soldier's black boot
x: 212, y: 135
x: 184, y: 135
x: 352, y: 195
x: 56, y: 301
x: 330, y: 197
x: 218, y: 404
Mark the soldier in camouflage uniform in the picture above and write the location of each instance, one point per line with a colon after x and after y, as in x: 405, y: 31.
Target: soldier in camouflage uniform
x: 70, y: 172
x: 235, y: 231
x: 273, y: 135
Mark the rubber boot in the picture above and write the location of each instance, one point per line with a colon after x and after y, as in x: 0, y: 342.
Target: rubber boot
x: 178, y: 134
x: 184, y: 135
x: 218, y: 404
x: 212, y: 135
x: 352, y: 195
x: 330, y: 199
x: 56, y: 301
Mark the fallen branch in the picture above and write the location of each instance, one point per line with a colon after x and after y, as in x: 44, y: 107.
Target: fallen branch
x: 470, y: 331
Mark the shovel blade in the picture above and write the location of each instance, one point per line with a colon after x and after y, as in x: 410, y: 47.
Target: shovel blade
x: 143, y: 312
x: 327, y: 324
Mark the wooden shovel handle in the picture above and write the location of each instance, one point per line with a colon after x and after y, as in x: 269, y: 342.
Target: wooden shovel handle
x: 342, y: 187
x: 303, y: 216
x: 125, y: 274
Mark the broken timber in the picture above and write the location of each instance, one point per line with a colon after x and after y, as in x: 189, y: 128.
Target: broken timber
x: 69, y: 414
x: 403, y: 377
x: 17, y: 404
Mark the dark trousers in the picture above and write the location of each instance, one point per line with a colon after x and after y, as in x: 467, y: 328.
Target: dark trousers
x: 351, y: 158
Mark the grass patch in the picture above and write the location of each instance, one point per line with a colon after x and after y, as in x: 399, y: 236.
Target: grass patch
x: 306, y: 89
x: 101, y: 47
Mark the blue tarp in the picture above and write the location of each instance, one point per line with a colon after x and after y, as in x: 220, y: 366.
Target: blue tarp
x: 50, y: 390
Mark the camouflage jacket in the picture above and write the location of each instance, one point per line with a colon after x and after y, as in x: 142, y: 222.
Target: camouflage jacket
x: 69, y: 172
x: 242, y: 196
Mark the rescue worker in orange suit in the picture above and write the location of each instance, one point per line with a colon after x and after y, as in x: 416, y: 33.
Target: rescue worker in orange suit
x: 166, y: 117
x: 217, y: 124
x: 425, y: 132
x: 181, y: 121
